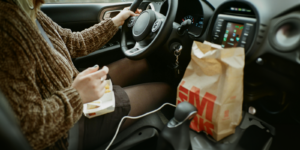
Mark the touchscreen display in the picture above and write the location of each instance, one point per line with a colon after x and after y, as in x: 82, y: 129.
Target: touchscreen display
x: 232, y: 35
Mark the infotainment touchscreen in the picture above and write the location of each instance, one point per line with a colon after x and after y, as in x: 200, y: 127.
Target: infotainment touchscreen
x: 232, y: 35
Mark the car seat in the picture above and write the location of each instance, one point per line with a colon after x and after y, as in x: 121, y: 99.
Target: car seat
x: 11, y: 136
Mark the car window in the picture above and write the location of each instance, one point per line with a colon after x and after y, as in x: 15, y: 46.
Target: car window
x: 87, y: 1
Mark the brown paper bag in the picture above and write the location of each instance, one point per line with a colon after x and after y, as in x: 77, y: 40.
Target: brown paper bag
x: 213, y: 82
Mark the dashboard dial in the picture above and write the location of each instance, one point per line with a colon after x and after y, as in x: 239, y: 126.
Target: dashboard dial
x: 188, y: 17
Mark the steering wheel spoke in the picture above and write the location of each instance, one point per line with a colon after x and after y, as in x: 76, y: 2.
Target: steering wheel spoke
x: 138, y: 47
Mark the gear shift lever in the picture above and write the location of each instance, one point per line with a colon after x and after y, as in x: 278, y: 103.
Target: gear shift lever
x: 176, y: 131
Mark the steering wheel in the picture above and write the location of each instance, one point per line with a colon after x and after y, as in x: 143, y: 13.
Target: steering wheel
x: 149, y: 30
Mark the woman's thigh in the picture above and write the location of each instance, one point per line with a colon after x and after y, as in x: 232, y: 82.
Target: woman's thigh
x: 127, y: 72
x: 147, y: 97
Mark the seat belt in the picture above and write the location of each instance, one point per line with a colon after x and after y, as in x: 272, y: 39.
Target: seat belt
x: 73, y: 138
x: 44, y: 33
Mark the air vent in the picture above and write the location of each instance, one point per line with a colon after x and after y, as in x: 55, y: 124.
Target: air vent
x: 286, y: 35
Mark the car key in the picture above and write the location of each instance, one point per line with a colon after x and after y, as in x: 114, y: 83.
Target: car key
x: 177, y: 53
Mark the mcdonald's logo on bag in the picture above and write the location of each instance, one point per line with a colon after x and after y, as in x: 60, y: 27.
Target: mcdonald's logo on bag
x: 200, y: 122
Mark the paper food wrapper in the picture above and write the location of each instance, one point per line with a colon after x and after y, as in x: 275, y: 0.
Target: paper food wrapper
x: 213, y: 83
x: 104, y: 105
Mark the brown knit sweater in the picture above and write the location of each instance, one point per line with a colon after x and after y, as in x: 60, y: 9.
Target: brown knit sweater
x: 36, y: 79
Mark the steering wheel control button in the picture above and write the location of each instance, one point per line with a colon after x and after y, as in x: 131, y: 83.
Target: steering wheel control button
x: 143, y: 25
x: 131, y: 22
x: 156, y: 25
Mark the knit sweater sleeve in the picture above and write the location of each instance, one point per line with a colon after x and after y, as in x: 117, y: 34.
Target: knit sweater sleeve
x: 42, y: 120
x: 84, y: 42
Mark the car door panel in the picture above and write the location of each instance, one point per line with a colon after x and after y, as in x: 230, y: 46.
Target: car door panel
x: 78, y: 17
x: 104, y: 56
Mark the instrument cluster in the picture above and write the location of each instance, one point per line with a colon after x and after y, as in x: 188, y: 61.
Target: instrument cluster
x: 197, y: 23
x: 189, y: 10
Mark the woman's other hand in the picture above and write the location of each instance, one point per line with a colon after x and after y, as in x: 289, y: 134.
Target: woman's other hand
x: 90, y: 85
x: 123, y: 15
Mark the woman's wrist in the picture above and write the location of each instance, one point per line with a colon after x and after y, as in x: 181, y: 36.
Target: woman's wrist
x: 116, y: 21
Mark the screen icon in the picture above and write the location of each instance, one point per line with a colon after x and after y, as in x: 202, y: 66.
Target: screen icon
x: 233, y: 34
x: 231, y: 39
x: 226, y: 35
x: 234, y: 31
x: 227, y: 31
x: 225, y: 39
x: 237, y: 39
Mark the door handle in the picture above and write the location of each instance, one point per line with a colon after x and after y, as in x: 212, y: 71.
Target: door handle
x: 111, y: 14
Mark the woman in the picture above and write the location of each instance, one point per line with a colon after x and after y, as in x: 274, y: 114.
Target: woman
x: 46, y: 91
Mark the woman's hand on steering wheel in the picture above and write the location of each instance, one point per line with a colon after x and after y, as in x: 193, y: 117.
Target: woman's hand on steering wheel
x: 123, y: 15
x: 90, y: 83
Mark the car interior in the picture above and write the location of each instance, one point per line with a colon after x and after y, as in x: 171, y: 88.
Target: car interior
x: 268, y: 30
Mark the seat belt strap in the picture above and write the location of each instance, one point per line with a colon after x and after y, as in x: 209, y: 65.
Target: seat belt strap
x: 44, y: 34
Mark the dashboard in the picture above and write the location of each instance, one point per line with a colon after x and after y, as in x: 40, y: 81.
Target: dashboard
x: 264, y: 28
x: 272, y: 26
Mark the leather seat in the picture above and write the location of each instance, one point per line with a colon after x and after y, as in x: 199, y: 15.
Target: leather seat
x: 11, y: 136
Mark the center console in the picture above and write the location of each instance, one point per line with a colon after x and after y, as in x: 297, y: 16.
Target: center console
x: 233, y: 31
